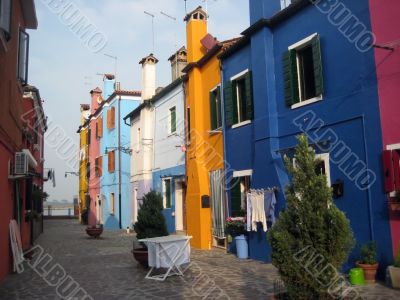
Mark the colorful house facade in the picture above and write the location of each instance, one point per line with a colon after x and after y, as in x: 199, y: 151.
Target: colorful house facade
x: 141, y: 121
x: 306, y: 76
x: 384, y: 22
x: 169, y: 145
x: 205, y: 209
x: 116, y: 152
x: 83, y: 197
x: 16, y: 17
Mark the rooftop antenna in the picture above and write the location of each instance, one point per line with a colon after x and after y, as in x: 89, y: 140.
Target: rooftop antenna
x: 152, y: 26
x: 175, y: 38
x: 115, y: 58
x: 185, y: 6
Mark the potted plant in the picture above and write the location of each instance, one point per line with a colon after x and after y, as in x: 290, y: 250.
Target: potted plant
x: 310, y: 226
x: 394, y: 271
x: 95, y: 231
x: 150, y: 223
x: 368, y: 261
x: 236, y: 227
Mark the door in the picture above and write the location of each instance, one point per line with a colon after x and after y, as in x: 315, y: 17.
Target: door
x: 99, y: 209
x: 178, y: 206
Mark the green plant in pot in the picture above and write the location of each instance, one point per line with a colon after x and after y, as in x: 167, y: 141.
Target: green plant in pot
x: 311, y: 231
x: 394, y: 271
x: 368, y: 261
x: 150, y: 223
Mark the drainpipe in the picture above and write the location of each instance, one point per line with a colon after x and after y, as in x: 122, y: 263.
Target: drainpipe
x: 119, y: 162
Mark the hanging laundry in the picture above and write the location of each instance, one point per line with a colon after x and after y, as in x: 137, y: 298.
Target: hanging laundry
x: 270, y: 202
x: 248, y: 210
x: 258, y: 210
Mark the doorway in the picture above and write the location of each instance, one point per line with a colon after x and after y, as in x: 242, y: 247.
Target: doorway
x: 99, y: 209
x: 179, y: 226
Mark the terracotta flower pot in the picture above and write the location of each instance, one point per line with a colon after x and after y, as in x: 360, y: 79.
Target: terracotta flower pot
x: 141, y: 256
x: 369, y: 271
x: 94, y: 231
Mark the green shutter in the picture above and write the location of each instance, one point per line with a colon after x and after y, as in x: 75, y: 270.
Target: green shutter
x: 236, y: 197
x: 219, y: 108
x: 290, y: 77
x: 173, y: 120
x: 230, y: 103
x: 249, y: 96
x: 319, y: 81
x: 213, y: 112
x: 168, y: 193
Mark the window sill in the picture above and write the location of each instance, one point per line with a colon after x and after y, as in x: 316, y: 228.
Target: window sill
x: 172, y: 134
x: 215, y: 131
x: 241, y: 124
x: 307, y: 102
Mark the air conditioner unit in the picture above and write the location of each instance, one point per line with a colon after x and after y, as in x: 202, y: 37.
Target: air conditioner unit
x: 21, y: 163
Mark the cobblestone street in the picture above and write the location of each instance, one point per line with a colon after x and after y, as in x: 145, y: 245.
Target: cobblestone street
x: 106, y: 269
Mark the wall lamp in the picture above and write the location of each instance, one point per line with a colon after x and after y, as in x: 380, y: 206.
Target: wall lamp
x: 122, y: 149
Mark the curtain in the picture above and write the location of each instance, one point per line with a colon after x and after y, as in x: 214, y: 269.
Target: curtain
x: 218, y: 207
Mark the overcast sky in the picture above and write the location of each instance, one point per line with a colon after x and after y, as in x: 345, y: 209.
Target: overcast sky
x: 64, y: 68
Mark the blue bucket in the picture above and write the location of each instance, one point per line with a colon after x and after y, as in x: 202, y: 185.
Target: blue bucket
x: 242, y: 247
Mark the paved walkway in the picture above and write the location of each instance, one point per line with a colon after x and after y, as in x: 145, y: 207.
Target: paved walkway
x: 106, y: 270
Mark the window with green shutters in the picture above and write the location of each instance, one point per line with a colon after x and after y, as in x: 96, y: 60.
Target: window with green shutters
x: 239, y: 190
x: 302, y: 70
x: 172, y: 113
x: 215, y: 109
x: 238, y: 96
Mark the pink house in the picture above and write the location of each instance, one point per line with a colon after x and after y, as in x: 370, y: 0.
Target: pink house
x: 385, y: 24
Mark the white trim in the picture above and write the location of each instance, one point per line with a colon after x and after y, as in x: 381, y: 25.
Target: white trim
x: 393, y: 147
x: 237, y: 76
x: 306, y: 102
x: 216, y: 87
x: 303, y: 42
x: 242, y: 173
x: 241, y: 124
x: 215, y: 131
x: 325, y: 158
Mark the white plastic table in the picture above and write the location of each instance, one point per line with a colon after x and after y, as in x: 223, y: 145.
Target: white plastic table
x: 168, y: 252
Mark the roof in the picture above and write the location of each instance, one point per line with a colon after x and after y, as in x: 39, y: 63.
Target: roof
x: 275, y: 20
x: 211, y: 53
x: 137, y: 110
x: 29, y: 13
x: 151, y: 55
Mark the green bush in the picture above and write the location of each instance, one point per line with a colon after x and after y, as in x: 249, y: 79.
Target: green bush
x: 151, y: 222
x: 368, y: 253
x: 311, y: 225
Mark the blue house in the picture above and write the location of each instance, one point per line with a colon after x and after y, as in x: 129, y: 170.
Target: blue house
x: 169, y: 139
x: 116, y: 154
x: 296, y: 71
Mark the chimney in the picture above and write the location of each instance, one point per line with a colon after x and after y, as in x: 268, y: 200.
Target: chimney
x: 148, y: 76
x: 85, y: 112
x: 178, y: 62
x: 96, y: 99
x: 196, y: 29
x: 109, y: 85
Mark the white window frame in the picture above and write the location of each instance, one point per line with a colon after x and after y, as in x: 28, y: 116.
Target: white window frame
x: 219, y: 129
x: 242, y: 173
x: 325, y: 158
x: 237, y: 77
x: 297, y: 46
x: 164, y: 191
x: 170, y: 121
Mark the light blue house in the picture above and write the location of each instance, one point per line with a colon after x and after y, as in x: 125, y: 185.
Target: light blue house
x: 115, y: 151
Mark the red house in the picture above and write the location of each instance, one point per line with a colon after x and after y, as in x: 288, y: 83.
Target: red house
x: 16, y: 16
x: 385, y: 25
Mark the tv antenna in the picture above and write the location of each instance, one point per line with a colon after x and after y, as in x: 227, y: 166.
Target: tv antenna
x: 152, y: 26
x: 115, y: 58
x: 175, y: 38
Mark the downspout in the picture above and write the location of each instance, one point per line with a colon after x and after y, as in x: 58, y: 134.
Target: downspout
x: 119, y: 162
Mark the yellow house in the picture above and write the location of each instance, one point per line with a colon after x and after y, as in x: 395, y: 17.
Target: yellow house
x: 205, y: 195
x: 83, y: 161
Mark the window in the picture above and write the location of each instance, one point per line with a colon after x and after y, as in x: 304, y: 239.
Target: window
x: 172, y: 119
x: 111, y: 118
x: 138, y: 140
x: 303, y: 72
x: 5, y: 17
x: 167, y: 193
x: 322, y: 167
x: 99, y: 128
x: 112, y: 203
x: 215, y: 108
x: 285, y: 3
x: 239, y: 190
x: 238, y: 95
x: 23, y: 51
x: 111, y: 161
x: 89, y: 133
x: 99, y: 166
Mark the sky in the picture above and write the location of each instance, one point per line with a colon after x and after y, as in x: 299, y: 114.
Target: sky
x: 65, y: 69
